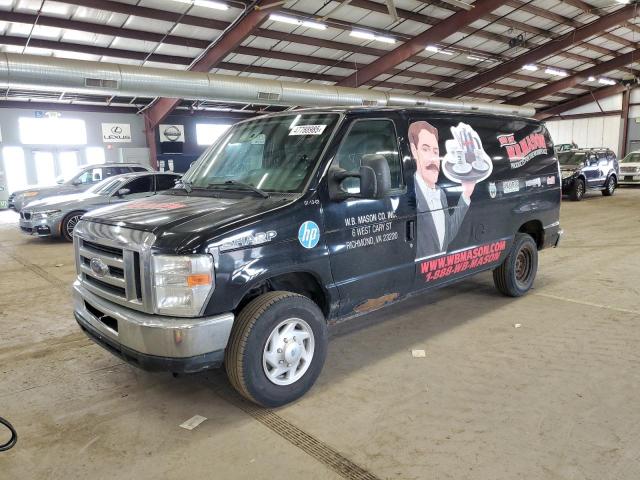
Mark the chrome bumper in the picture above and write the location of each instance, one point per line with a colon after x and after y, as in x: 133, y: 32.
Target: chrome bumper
x: 151, y: 335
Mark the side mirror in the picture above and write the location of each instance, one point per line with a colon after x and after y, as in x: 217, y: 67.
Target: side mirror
x: 374, y: 175
x: 123, y: 191
x: 76, y: 182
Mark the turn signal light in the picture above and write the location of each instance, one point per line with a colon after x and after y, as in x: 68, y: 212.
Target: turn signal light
x: 198, y: 279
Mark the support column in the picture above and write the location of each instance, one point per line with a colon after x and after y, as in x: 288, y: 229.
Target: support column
x: 150, y: 135
x: 626, y: 96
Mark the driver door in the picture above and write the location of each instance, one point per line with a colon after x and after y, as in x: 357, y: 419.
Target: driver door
x: 369, y: 240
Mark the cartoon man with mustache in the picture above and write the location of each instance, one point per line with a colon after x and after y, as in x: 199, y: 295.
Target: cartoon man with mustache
x: 436, y: 226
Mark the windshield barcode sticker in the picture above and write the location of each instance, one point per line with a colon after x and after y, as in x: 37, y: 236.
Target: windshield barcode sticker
x: 307, y: 130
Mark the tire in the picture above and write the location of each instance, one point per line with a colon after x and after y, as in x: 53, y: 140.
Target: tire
x: 516, y: 274
x: 258, y: 342
x: 610, y: 186
x: 577, y: 191
x: 68, y: 224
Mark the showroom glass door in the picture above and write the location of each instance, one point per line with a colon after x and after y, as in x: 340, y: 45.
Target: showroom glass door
x: 51, y: 164
x: 45, y: 167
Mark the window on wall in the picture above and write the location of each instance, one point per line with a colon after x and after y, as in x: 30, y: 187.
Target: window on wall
x: 52, y: 131
x: 95, y: 155
x: 14, y: 167
x: 207, y: 133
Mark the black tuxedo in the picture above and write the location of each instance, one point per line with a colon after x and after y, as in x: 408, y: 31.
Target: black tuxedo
x: 427, y: 242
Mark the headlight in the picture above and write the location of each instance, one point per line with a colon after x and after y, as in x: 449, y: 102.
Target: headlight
x: 45, y: 213
x: 182, y: 283
x: 29, y: 194
x: 567, y: 174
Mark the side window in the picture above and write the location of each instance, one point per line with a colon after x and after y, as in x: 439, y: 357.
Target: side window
x: 111, y: 171
x: 165, y: 182
x: 140, y: 185
x: 369, y: 137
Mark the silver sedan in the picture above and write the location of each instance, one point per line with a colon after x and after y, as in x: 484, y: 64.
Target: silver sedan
x: 58, y: 216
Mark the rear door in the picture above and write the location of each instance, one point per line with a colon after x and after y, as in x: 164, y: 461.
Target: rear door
x: 370, y: 241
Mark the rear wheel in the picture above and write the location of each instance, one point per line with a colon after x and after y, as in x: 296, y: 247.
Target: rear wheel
x: 610, y: 186
x: 577, y: 192
x: 515, y: 275
x: 277, y: 348
x: 68, y: 224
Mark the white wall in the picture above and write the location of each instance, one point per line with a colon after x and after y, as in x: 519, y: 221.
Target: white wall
x: 598, y: 131
x: 602, y: 131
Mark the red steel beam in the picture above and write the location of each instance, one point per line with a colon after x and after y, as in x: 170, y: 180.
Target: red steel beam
x: 626, y: 97
x: 592, y: 96
x: 226, y: 45
x: 549, y: 48
x: 437, y: 33
x: 580, y: 77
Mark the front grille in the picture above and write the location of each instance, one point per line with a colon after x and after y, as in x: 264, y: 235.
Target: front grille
x: 628, y: 170
x: 112, y: 267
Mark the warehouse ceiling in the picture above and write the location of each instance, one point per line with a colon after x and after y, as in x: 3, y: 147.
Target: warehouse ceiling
x: 541, y: 53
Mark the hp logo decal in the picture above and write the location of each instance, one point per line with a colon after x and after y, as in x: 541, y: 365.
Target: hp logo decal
x: 309, y: 234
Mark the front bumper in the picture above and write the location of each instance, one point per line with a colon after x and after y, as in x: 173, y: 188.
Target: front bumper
x: 41, y: 227
x: 629, y: 178
x: 153, y: 342
x: 552, y: 235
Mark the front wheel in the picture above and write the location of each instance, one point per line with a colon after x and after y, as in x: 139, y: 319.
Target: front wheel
x: 577, y: 192
x: 68, y: 224
x: 515, y: 275
x: 277, y: 348
x: 610, y: 186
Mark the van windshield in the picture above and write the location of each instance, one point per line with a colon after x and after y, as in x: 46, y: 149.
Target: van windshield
x: 571, y: 158
x: 274, y: 154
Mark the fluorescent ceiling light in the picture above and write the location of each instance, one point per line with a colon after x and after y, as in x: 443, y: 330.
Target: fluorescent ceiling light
x: 556, y: 72
x: 371, y: 36
x: 206, y: 3
x: 591, y: 79
x: 296, y: 21
x: 606, y: 81
x: 479, y: 59
x: 531, y: 68
x: 434, y: 49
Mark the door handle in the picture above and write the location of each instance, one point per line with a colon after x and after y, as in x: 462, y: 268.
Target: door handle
x: 411, y: 230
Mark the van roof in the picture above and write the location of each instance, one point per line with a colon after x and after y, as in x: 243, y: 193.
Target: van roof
x: 409, y: 109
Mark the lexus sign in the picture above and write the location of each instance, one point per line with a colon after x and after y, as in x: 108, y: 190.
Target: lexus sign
x: 116, y: 133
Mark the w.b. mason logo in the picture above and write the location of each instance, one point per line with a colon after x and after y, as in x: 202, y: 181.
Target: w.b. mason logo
x: 99, y: 267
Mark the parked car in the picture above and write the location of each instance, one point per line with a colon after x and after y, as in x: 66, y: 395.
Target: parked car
x: 78, y: 181
x: 295, y: 221
x: 630, y: 169
x: 587, y: 169
x: 58, y: 215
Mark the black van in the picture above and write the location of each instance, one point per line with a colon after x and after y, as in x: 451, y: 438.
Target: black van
x: 295, y: 221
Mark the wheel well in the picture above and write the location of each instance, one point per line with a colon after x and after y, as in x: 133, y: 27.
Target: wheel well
x: 302, y: 283
x: 534, y: 228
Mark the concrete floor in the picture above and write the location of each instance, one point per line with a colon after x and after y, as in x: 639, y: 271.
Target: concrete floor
x: 556, y: 398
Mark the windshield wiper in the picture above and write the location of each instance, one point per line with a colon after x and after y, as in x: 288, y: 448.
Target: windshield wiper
x: 246, y: 186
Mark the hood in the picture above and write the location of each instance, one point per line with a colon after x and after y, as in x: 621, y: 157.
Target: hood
x: 630, y: 164
x: 570, y: 168
x: 54, y: 189
x: 184, y: 214
x: 61, y: 202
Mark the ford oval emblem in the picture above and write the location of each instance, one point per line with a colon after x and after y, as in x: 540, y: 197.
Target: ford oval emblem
x: 99, y: 267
